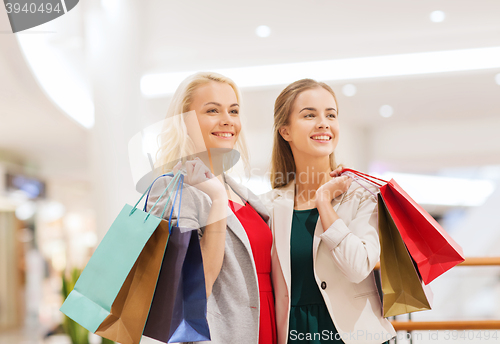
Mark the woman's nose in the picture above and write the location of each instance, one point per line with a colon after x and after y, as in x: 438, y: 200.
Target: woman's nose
x: 323, y: 123
x: 226, y: 118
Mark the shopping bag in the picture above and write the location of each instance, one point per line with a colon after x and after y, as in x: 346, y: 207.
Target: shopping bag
x: 90, y: 302
x: 432, y: 249
x: 129, y: 311
x: 402, y: 288
x: 178, y: 311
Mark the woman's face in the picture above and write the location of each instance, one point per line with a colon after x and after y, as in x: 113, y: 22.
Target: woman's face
x: 217, y: 112
x: 313, y: 129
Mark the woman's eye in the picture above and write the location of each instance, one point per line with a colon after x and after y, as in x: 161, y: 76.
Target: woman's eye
x: 309, y: 115
x: 212, y: 111
x: 332, y: 115
x: 235, y: 112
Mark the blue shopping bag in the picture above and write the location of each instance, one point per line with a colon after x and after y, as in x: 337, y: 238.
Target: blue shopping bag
x: 89, y: 303
x: 178, y: 311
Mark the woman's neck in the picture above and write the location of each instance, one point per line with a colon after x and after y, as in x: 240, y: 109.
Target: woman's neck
x: 311, y: 173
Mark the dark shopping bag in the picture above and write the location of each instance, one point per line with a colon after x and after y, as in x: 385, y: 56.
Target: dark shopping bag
x: 178, y: 311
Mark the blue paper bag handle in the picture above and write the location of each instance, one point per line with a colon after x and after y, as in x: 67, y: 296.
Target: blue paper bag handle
x: 179, y: 185
x: 134, y: 208
x: 173, y: 181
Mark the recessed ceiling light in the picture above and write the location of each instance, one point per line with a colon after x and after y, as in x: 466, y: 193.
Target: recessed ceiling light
x: 386, y: 111
x: 263, y: 31
x: 497, y: 79
x: 437, y: 16
x: 349, y: 90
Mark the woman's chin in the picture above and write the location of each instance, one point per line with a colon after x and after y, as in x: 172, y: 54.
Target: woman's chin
x: 222, y: 145
x: 318, y: 153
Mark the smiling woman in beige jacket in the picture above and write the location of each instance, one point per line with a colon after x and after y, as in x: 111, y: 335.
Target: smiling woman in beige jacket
x: 325, y: 229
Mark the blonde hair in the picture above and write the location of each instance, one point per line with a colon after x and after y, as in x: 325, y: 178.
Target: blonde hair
x: 282, y: 163
x: 174, y: 141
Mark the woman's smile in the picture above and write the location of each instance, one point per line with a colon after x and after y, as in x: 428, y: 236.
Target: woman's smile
x: 322, y: 137
x: 224, y: 135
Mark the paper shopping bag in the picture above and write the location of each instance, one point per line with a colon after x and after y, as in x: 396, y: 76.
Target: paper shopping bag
x: 129, y: 311
x: 178, y: 311
x: 95, y: 292
x: 402, y: 288
x: 432, y: 249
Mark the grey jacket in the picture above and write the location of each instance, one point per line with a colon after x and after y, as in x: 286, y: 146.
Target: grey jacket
x: 233, y: 307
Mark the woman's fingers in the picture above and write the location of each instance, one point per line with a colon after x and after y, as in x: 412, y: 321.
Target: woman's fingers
x: 197, y: 172
x: 336, y: 172
x: 177, y: 167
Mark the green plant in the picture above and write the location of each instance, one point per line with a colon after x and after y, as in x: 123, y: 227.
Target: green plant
x: 77, y: 333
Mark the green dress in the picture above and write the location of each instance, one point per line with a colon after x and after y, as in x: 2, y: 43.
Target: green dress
x: 310, y: 321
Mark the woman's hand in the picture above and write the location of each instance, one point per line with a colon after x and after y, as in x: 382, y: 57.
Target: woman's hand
x: 336, y: 172
x: 199, y: 176
x: 333, y: 188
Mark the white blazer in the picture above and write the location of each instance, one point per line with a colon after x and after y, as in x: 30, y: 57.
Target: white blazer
x: 344, y: 257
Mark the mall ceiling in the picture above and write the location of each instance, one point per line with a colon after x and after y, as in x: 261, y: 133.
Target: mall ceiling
x: 203, y: 35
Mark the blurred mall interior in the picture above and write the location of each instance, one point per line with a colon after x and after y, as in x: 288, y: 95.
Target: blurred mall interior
x: 418, y: 89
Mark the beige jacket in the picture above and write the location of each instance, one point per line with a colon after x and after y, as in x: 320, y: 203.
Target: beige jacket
x: 344, y: 257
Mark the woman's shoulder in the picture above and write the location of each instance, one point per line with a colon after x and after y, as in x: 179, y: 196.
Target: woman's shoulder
x: 189, y: 193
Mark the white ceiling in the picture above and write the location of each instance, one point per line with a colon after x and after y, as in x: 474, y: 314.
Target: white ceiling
x: 196, y: 35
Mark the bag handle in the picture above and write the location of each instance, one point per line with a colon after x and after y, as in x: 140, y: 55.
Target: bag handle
x: 355, y: 179
x: 179, y: 185
x: 177, y: 177
x: 147, y: 191
x: 173, y: 181
x: 364, y: 176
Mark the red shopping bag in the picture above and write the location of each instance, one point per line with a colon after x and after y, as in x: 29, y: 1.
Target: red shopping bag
x: 432, y: 249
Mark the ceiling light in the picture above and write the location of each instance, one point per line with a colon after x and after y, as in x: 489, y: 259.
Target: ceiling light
x: 161, y: 84
x: 263, y: 31
x: 386, y: 111
x: 349, y: 90
x: 437, y: 16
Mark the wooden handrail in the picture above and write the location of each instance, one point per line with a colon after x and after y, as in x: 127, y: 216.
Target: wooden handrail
x: 480, y: 261
x: 446, y: 325
x: 453, y: 325
x: 472, y: 261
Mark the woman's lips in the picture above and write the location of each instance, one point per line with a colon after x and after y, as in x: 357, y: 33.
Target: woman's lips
x: 321, y: 138
x: 223, y: 135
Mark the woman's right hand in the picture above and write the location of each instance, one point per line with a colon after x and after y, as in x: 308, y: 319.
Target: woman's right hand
x: 199, y: 176
x: 333, y: 188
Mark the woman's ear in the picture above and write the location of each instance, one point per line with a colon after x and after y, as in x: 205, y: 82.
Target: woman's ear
x: 285, y: 133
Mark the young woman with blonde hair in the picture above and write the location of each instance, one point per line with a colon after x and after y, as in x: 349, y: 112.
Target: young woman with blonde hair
x: 325, y: 228
x: 235, y: 239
